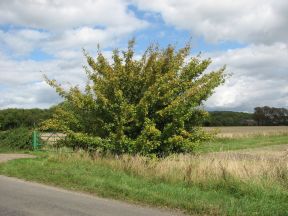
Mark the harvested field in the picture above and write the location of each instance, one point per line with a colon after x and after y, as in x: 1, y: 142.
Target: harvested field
x: 248, y: 131
x: 51, y: 138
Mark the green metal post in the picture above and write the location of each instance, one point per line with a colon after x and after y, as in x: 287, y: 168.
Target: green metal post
x: 34, y: 142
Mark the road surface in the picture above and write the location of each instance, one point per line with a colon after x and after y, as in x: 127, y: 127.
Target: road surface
x: 22, y: 198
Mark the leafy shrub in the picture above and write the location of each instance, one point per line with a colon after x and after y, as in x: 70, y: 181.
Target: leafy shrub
x: 143, y: 106
x: 19, y: 138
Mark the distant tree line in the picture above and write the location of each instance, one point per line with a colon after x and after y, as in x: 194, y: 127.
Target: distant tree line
x: 229, y: 118
x: 262, y: 116
x: 270, y: 116
x: 29, y: 118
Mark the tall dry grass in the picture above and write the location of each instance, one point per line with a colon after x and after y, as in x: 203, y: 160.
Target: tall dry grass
x: 242, y: 166
x: 197, y: 169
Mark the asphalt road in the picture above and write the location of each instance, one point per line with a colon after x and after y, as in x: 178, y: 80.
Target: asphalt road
x: 22, y: 198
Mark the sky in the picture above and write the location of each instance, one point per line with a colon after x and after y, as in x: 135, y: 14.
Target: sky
x: 41, y: 37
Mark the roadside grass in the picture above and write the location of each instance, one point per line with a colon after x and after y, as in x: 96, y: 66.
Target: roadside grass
x: 198, y: 185
x: 5, y: 149
x: 255, y: 141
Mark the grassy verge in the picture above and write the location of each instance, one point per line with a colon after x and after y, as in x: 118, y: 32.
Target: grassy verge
x: 227, y: 144
x: 139, y: 180
x: 4, y: 149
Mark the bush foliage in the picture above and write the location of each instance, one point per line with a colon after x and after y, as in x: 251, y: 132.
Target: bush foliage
x: 15, y: 139
x: 150, y: 105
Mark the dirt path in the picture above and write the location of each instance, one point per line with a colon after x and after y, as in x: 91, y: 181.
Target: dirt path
x: 6, y: 157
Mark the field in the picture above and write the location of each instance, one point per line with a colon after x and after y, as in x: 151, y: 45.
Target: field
x: 248, y: 131
x: 252, y: 180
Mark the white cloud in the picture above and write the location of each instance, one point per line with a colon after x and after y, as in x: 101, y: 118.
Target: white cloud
x: 33, y: 95
x: 61, y: 14
x: 22, y: 82
x: 249, y: 21
x: 22, y: 41
x: 86, y: 37
x: 57, y: 26
x: 15, y: 72
x: 259, y: 77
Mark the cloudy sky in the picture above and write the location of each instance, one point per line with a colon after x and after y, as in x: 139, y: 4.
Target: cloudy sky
x: 47, y: 36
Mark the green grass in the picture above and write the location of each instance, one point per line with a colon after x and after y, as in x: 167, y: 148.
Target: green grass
x: 227, y: 144
x: 5, y: 149
x: 225, y: 197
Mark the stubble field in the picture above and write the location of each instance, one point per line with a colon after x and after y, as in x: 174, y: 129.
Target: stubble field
x: 248, y: 131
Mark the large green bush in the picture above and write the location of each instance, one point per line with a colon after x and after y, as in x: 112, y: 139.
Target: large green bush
x: 147, y: 105
x: 15, y: 139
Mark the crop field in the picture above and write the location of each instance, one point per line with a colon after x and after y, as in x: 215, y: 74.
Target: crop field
x: 248, y: 131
